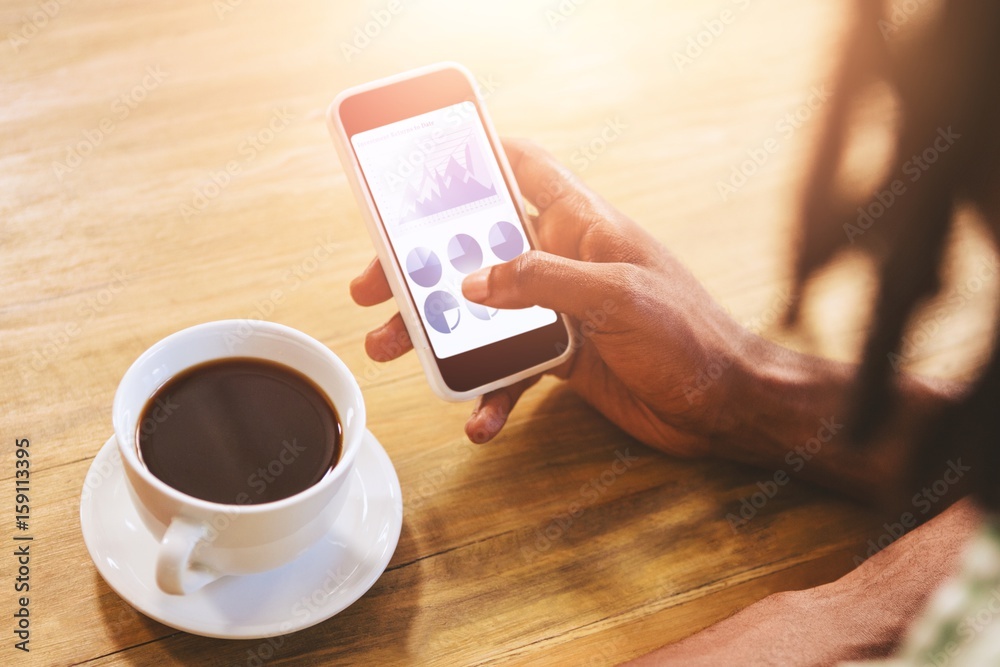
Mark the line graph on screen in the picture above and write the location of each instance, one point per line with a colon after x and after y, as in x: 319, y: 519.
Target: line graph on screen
x: 455, y: 174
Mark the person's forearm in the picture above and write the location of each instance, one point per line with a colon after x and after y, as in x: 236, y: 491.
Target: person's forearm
x: 861, y: 615
x: 790, y: 412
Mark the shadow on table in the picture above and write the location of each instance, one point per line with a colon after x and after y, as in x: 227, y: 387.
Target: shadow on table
x: 620, y: 524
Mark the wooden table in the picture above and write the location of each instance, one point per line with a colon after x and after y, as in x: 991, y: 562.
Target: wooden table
x: 120, y: 226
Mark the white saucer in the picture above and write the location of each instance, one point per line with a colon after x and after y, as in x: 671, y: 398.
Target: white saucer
x: 325, y: 580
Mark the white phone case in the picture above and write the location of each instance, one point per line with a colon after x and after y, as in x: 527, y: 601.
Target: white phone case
x: 393, y: 272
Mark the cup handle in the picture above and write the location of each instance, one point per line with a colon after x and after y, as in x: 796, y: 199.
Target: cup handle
x: 176, y: 574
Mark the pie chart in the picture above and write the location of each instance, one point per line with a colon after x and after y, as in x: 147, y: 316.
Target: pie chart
x: 465, y: 254
x: 424, y: 267
x: 442, y: 311
x: 506, y: 240
x: 481, y: 312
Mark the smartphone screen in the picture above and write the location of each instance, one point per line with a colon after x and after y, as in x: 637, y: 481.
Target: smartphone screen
x: 447, y: 209
x: 438, y: 189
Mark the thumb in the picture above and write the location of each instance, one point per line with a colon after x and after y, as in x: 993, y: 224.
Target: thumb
x: 541, y: 279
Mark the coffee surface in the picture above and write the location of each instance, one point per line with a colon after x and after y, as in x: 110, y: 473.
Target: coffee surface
x: 239, y: 431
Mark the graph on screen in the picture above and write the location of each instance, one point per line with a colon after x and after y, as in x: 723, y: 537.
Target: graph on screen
x: 457, y: 175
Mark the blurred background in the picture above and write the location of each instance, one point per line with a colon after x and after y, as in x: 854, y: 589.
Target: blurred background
x: 656, y: 105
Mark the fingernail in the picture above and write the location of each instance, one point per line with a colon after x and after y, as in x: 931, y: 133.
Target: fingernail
x: 476, y: 286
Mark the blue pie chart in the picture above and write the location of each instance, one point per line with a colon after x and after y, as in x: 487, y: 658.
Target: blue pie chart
x: 464, y: 253
x: 424, y: 267
x: 442, y: 311
x: 506, y: 240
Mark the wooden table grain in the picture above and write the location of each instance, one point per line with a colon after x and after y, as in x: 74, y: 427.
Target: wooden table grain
x: 167, y: 163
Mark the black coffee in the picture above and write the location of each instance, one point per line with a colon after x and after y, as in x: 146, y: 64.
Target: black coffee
x: 239, y: 430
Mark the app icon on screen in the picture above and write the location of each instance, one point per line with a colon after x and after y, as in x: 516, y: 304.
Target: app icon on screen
x: 442, y: 311
x: 424, y: 267
x: 506, y: 241
x: 481, y: 312
x: 465, y: 254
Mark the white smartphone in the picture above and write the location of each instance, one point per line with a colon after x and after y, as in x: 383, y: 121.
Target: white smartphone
x: 439, y: 200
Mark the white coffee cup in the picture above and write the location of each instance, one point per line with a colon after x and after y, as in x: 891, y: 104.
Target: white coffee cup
x: 201, y: 541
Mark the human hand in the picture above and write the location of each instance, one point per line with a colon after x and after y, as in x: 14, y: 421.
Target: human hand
x: 645, y: 327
